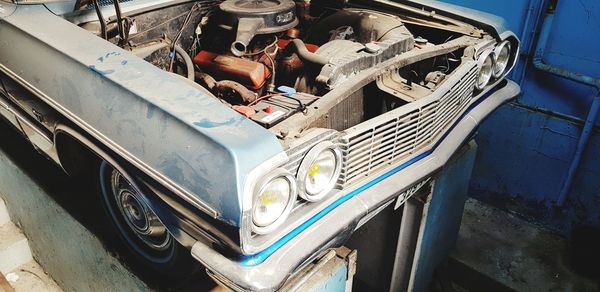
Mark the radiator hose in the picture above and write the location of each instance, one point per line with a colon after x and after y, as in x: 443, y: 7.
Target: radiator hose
x: 306, y: 55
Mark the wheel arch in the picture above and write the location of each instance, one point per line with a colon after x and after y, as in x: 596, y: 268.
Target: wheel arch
x: 77, y: 151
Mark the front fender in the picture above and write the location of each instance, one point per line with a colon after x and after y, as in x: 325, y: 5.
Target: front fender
x: 174, y: 132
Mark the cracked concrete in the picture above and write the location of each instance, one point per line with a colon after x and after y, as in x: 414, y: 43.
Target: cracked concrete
x: 517, y: 255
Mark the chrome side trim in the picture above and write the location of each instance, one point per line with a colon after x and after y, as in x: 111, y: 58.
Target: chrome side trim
x: 9, y: 114
x: 38, y: 137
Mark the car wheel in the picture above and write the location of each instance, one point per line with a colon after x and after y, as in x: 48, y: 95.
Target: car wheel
x: 139, y: 226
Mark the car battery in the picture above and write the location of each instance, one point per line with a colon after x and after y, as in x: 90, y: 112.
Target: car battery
x: 277, y: 108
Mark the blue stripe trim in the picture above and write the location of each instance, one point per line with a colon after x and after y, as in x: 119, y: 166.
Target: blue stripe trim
x: 263, y: 255
x: 256, y: 259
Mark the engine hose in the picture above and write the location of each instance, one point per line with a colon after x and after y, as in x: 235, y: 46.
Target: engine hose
x: 306, y: 55
x: 246, y: 95
x: 226, y: 85
x: 208, y: 80
x: 120, y: 27
x: 101, y: 19
x: 187, y: 60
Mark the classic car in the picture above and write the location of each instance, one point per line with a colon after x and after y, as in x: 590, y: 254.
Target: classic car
x: 252, y: 135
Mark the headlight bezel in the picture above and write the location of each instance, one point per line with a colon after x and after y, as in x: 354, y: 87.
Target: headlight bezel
x: 261, y: 186
x: 497, y: 50
x: 481, y: 62
x: 311, y: 156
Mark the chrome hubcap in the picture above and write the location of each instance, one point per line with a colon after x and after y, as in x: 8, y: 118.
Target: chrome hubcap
x: 138, y: 215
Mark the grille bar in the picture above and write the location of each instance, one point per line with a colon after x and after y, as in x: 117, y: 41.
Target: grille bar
x: 399, y: 133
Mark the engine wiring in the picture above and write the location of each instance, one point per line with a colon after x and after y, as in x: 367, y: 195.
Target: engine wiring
x: 196, y: 42
x: 266, y: 96
x: 301, y: 106
x: 179, y: 33
x: 199, y: 6
x: 123, y: 24
x: 124, y: 20
x: 273, y: 66
x: 265, y: 49
x: 142, y: 32
x: 101, y: 19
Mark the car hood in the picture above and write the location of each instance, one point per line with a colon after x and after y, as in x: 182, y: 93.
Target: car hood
x: 495, y: 24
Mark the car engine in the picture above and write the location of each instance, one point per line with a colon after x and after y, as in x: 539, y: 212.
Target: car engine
x: 271, y: 60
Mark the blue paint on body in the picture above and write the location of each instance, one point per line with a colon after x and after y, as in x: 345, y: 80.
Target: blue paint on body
x: 230, y: 151
x: 112, y: 54
x: 99, y: 71
x: 206, y: 123
x: 260, y: 257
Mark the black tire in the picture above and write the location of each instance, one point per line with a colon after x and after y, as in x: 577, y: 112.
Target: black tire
x: 157, y: 253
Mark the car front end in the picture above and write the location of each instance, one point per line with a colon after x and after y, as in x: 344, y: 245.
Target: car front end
x: 281, y: 127
x: 339, y: 171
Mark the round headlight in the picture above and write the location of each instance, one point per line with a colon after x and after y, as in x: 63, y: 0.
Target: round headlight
x: 486, y: 68
x: 274, y: 201
x: 319, y: 171
x: 502, y: 55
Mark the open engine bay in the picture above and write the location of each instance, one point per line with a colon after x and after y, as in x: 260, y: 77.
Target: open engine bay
x: 291, y: 65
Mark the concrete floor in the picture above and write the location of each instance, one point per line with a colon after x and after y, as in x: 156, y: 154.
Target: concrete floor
x: 497, y: 251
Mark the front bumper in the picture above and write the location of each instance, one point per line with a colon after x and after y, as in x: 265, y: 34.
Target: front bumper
x: 335, y: 227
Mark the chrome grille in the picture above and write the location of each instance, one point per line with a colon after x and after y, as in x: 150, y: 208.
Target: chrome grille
x: 397, y: 134
x: 103, y: 3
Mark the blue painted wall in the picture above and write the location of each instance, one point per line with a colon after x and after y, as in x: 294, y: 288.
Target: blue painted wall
x: 526, y: 147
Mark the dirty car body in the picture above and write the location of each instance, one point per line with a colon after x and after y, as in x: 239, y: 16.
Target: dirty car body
x: 259, y: 135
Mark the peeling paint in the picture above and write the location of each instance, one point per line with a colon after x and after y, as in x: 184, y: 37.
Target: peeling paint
x: 100, y: 71
x: 101, y: 59
x: 108, y: 55
x: 206, y: 123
